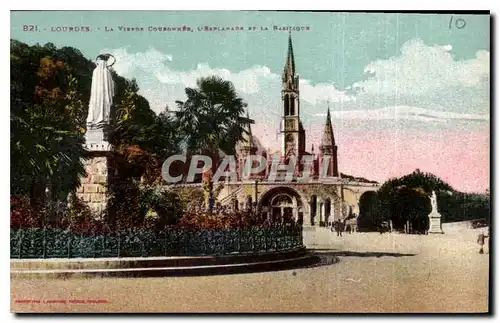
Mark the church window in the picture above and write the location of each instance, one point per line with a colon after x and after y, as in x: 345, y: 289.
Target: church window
x: 286, y: 102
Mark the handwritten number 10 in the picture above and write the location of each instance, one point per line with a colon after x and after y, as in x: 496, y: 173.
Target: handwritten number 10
x: 459, y: 23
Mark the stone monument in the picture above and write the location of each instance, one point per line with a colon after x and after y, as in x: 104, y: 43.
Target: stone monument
x: 434, y: 216
x: 94, y: 188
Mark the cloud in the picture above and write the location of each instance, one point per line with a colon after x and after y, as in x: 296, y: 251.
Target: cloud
x: 405, y: 113
x: 412, y: 106
x: 247, y: 81
x: 430, y: 77
x: 127, y: 64
x: 162, y: 84
x: 424, y: 84
x: 322, y: 92
x: 447, y: 48
x: 425, y: 69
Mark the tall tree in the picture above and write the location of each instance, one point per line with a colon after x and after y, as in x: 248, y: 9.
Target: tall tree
x: 46, y: 141
x: 212, y: 117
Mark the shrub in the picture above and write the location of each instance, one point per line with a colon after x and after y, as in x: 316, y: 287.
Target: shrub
x: 124, y: 207
x: 160, y: 207
x: 220, y: 219
x: 22, y: 215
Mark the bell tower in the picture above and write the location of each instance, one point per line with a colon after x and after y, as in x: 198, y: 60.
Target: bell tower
x: 291, y: 129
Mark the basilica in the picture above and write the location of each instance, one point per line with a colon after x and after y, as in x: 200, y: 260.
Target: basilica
x: 325, y: 197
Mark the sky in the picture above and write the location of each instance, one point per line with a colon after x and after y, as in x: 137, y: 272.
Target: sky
x: 405, y: 91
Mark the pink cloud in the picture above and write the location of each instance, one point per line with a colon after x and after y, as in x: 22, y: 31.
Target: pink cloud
x: 460, y: 158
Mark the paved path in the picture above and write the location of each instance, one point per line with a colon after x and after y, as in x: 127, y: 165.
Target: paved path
x: 361, y: 272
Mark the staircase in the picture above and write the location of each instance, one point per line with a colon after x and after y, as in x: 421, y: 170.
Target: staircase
x: 227, y: 200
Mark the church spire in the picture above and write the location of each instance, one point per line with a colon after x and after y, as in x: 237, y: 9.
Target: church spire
x: 328, y: 139
x: 290, y: 79
x: 328, y: 148
x: 290, y: 62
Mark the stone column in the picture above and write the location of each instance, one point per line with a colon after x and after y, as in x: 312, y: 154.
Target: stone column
x: 336, y: 209
x: 312, y: 217
x: 319, y: 215
x: 323, y: 210
x: 306, y: 215
x: 98, y: 166
x: 332, y: 210
x: 95, y: 186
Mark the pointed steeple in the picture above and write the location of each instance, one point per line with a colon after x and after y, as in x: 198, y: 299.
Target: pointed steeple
x: 291, y: 129
x: 290, y: 78
x: 328, y: 140
x: 328, y: 148
x: 290, y: 62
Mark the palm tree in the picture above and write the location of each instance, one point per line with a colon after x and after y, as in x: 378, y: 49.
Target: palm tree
x: 212, y: 118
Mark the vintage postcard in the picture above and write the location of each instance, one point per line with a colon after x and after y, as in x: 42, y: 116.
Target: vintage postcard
x: 249, y: 162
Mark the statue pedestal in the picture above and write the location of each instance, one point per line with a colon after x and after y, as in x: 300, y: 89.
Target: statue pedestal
x: 435, y: 223
x: 98, y: 165
x: 97, y: 140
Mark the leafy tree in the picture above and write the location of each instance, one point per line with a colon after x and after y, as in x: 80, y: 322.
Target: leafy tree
x: 408, y: 199
x: 464, y: 206
x: 46, y: 141
x: 50, y: 89
x: 142, y: 141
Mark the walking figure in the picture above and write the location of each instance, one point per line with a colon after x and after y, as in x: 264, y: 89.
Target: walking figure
x: 340, y: 228
x: 480, y: 241
x: 348, y: 228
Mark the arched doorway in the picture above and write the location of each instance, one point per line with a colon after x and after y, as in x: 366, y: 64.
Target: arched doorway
x: 367, y: 219
x: 282, y: 205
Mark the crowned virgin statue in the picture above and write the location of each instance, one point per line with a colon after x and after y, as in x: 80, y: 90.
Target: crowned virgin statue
x: 102, y: 93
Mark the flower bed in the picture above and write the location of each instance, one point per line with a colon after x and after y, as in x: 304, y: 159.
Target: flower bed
x: 147, y: 242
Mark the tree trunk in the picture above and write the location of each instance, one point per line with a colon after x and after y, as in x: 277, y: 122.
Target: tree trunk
x: 37, y: 193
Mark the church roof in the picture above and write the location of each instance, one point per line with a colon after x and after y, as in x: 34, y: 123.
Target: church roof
x: 249, y: 140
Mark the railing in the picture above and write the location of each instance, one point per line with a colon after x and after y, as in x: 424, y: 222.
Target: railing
x: 226, y: 200
x: 63, y: 243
